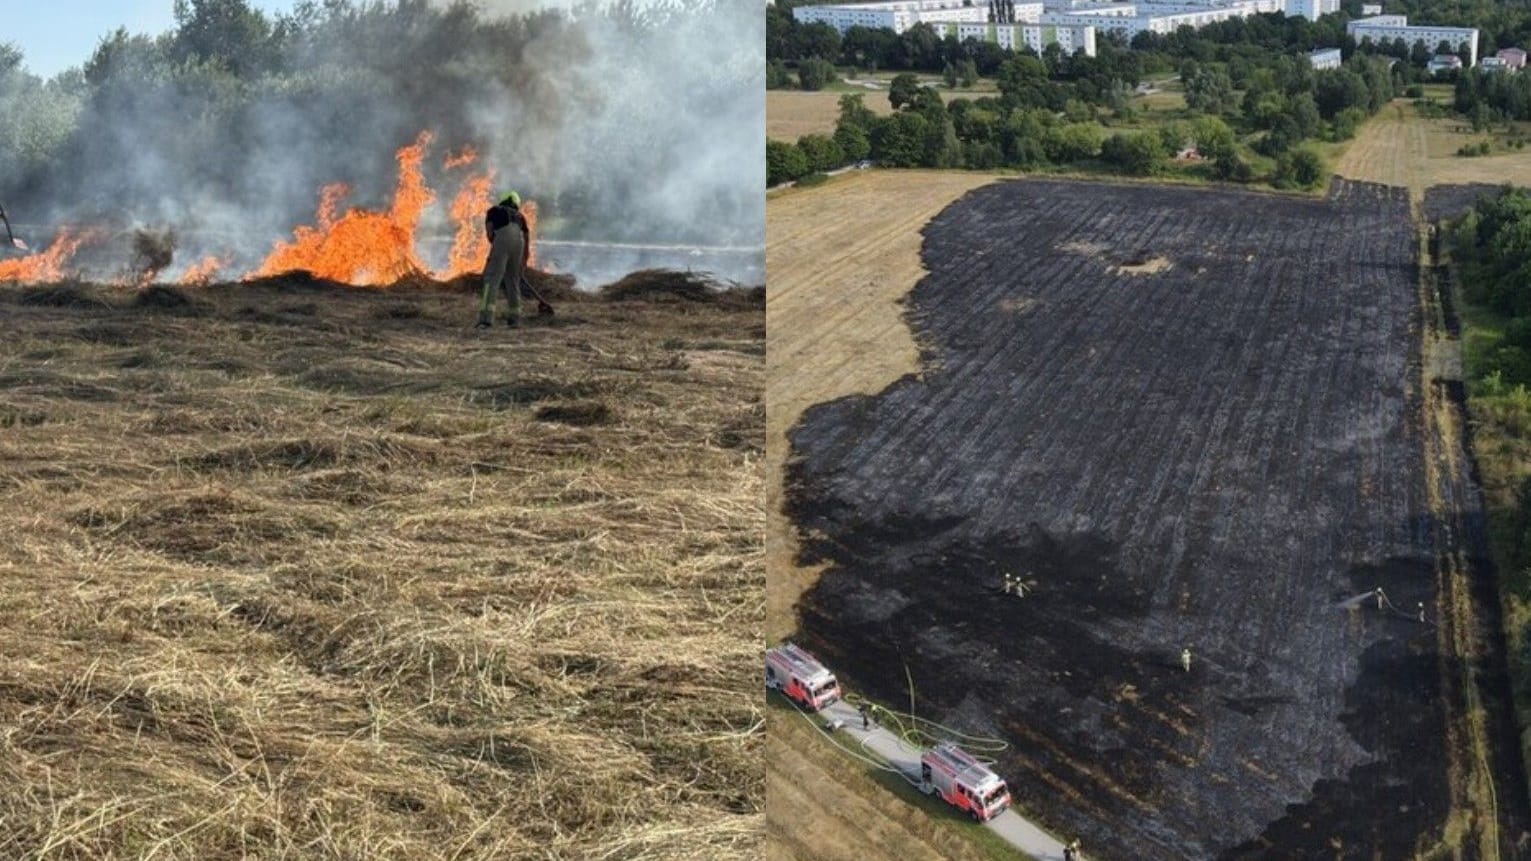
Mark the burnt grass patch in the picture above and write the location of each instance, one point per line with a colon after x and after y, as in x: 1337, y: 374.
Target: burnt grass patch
x: 1212, y: 455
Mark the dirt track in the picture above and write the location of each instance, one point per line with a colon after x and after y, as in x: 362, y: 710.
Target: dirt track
x: 1214, y: 455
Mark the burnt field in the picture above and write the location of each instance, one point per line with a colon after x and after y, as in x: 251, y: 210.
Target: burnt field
x: 1188, y: 418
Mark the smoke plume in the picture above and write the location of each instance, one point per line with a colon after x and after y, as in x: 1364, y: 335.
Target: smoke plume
x: 628, y: 123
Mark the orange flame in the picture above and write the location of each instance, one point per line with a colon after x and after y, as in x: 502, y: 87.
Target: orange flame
x: 378, y: 248
x: 201, y: 273
x: 470, y: 247
x: 468, y: 156
x: 529, y: 209
x: 360, y: 247
x: 45, y: 266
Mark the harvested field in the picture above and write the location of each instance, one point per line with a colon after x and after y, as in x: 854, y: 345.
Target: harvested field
x: 300, y: 571
x: 1213, y: 454
x: 1400, y: 148
x: 791, y: 114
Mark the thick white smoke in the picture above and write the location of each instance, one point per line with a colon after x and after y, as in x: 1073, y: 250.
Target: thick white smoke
x: 632, y: 122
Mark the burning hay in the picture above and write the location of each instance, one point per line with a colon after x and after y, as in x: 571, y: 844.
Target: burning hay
x: 660, y: 284
x: 152, y: 252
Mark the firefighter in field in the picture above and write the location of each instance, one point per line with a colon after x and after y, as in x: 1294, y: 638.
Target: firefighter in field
x: 509, y: 247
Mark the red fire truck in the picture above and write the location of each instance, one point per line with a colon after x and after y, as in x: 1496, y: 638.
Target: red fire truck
x: 801, y: 677
x: 963, y: 782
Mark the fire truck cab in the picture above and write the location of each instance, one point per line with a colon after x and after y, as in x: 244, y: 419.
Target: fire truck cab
x: 800, y: 677
x: 964, y: 782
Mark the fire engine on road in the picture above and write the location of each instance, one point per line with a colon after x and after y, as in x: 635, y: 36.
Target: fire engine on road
x: 963, y: 782
x: 800, y: 677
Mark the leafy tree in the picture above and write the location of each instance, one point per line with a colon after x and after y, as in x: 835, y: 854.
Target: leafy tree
x: 1346, y: 123
x: 1299, y: 168
x: 902, y: 90
x: 1338, y: 89
x: 1305, y: 116
x: 854, y: 112
x: 1073, y: 142
x: 968, y: 74
x: 818, y: 40
x: 777, y: 76
x: 822, y: 152
x: 1140, y: 153
x: 1210, y: 91
x: 900, y: 140
x: 1214, y: 139
x: 853, y: 141
x: 1228, y: 166
x: 1023, y: 82
x: 784, y: 162
x: 226, y: 31
x: 816, y: 74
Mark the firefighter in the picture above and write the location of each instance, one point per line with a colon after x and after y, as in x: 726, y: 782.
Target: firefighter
x: 865, y: 722
x: 1380, y: 597
x: 509, y: 247
x: 1422, y: 611
x: 1008, y: 583
x: 1185, y: 658
x: 1071, y: 851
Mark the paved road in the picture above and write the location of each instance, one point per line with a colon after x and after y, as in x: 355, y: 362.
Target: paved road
x: 1011, y: 826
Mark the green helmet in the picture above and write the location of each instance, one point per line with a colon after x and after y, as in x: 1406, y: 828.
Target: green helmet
x: 511, y: 198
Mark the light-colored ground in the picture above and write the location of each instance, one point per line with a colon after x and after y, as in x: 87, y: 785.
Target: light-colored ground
x: 839, y: 258
x: 293, y: 572
x: 791, y: 114
x: 1398, y: 147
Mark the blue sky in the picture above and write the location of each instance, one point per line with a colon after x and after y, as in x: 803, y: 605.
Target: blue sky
x: 57, y: 34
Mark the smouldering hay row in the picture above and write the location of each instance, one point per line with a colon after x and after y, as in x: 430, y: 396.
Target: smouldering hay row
x: 304, y: 576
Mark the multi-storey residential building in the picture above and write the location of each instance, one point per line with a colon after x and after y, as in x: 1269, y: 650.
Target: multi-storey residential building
x: 1132, y: 19
x: 1325, y: 58
x: 1386, y: 28
x: 1310, y: 9
x: 1071, y: 39
x: 895, y: 15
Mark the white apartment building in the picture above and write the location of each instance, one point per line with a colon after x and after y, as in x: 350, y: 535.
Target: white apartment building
x: 895, y: 15
x: 1130, y: 20
x: 1310, y: 9
x: 1325, y: 58
x: 1386, y: 28
x: 1369, y: 9
x: 1034, y: 36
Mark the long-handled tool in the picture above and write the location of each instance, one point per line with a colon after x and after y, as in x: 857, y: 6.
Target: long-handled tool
x: 9, y: 236
x: 543, y: 307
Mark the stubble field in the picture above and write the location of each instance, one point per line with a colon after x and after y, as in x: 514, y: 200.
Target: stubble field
x: 299, y: 571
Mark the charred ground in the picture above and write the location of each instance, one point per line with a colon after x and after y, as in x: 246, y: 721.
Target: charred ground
x: 293, y: 569
x: 1192, y: 418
